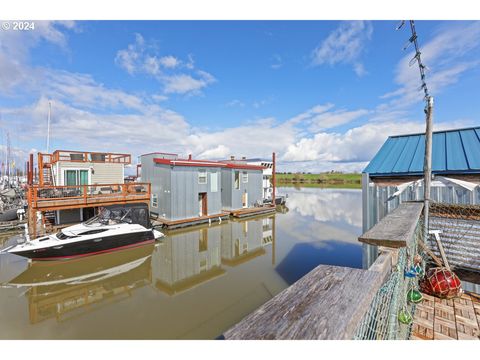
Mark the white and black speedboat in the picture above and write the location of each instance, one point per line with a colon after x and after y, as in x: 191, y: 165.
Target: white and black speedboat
x: 115, y: 227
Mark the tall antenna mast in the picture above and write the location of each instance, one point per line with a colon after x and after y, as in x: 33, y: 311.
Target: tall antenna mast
x: 427, y: 165
x: 48, y: 126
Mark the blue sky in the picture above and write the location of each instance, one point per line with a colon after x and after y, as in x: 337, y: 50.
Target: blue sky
x: 323, y: 94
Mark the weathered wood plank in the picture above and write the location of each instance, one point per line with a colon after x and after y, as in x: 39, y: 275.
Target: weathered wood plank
x: 327, y: 303
x: 397, y: 228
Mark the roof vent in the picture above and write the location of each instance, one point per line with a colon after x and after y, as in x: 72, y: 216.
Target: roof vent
x: 232, y: 157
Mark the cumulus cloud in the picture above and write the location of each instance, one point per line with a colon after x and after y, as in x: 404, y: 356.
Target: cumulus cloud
x: 142, y: 57
x: 184, y: 83
x: 344, y: 45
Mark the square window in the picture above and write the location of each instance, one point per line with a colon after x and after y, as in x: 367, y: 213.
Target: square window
x: 154, y: 200
x: 202, y: 177
x: 245, y: 177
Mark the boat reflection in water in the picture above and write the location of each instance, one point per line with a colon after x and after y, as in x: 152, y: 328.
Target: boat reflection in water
x: 182, y: 260
x: 57, y: 289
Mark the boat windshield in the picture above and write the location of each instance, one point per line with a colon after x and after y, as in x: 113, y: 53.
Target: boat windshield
x: 110, y: 217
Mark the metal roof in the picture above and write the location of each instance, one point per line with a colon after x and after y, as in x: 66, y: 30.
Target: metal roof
x: 453, y: 152
x: 206, y: 163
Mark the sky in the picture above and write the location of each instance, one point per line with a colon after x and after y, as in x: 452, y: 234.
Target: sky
x: 323, y: 95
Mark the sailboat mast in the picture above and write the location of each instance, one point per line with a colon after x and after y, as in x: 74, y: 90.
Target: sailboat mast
x: 48, y: 126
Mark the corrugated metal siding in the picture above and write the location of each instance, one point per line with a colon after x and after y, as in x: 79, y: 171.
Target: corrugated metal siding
x: 233, y: 198
x: 185, y: 190
x: 181, y: 257
x: 453, y: 151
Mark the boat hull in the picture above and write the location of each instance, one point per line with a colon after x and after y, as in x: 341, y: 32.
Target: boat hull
x: 88, y: 247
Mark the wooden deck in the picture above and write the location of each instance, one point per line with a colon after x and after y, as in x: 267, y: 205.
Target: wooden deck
x: 241, y: 213
x: 441, y: 319
x: 176, y: 224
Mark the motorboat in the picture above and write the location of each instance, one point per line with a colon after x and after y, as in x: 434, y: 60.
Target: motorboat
x: 115, y: 227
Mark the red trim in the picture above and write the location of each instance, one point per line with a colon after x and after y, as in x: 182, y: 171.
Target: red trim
x: 96, y: 252
x: 206, y: 163
x: 195, y: 163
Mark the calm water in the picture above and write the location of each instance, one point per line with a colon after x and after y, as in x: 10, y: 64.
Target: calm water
x: 193, y: 284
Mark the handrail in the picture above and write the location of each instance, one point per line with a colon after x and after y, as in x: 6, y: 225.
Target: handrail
x: 84, y: 156
x: 45, y: 195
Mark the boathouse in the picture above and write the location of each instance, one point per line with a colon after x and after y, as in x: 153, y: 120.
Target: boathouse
x: 242, y: 185
x: 194, y: 191
x: 395, y: 173
x: 183, y: 188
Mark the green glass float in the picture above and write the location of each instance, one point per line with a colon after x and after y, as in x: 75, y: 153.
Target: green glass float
x: 414, y: 296
x: 404, y: 316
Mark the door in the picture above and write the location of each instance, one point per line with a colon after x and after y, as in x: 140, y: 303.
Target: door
x: 202, y: 204
x: 76, y: 177
x: 245, y: 200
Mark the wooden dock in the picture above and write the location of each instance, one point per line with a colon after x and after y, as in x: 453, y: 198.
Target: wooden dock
x: 177, y: 224
x: 441, y: 319
x: 247, y: 212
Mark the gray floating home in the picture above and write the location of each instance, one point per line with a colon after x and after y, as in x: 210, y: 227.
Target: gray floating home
x: 185, y: 189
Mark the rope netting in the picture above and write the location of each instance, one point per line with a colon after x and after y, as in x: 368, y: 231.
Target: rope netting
x: 457, y: 227
x: 391, y: 313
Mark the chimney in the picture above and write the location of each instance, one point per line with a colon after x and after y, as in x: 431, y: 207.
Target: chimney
x: 190, y: 157
x: 232, y: 157
x: 244, y: 158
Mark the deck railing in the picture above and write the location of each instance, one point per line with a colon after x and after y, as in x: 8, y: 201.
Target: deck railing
x: 84, y: 156
x: 57, y: 197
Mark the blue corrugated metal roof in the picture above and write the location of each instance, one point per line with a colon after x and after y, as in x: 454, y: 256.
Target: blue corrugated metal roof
x: 453, y: 151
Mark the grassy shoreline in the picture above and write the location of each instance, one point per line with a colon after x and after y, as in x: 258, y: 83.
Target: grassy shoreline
x: 338, y: 180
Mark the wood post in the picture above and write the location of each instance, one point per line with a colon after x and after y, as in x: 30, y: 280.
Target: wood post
x: 427, y: 166
x: 273, y: 179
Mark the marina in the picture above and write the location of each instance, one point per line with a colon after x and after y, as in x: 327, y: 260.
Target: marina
x: 194, y: 283
x: 202, y: 203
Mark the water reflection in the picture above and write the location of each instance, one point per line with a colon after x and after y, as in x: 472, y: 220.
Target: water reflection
x: 182, y: 260
x: 193, y: 284
x: 58, y: 289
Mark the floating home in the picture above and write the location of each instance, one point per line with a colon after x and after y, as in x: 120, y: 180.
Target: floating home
x: 73, y: 184
x: 193, y: 191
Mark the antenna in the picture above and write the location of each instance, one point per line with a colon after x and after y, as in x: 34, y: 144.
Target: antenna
x: 427, y: 165
x: 48, y: 126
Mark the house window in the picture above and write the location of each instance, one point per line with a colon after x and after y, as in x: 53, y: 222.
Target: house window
x: 154, y: 200
x: 237, y: 179
x: 202, y: 177
x: 213, y: 182
x: 245, y: 177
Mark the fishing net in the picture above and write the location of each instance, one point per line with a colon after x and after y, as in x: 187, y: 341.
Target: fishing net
x: 391, y: 312
x: 457, y: 227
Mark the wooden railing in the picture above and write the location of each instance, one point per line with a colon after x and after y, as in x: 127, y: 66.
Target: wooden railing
x: 65, y: 197
x: 84, y: 156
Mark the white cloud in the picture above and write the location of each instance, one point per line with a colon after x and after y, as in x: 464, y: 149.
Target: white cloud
x: 143, y: 57
x: 181, y: 84
x: 444, y: 57
x: 359, y: 69
x: 169, y: 61
x: 344, y: 45
x: 15, y: 47
x: 235, y: 102
x: 320, y: 117
x: 278, y: 62
x: 129, y: 58
x: 218, y: 152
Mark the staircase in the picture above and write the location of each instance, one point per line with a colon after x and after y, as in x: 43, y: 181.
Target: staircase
x: 49, y: 220
x: 48, y: 175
